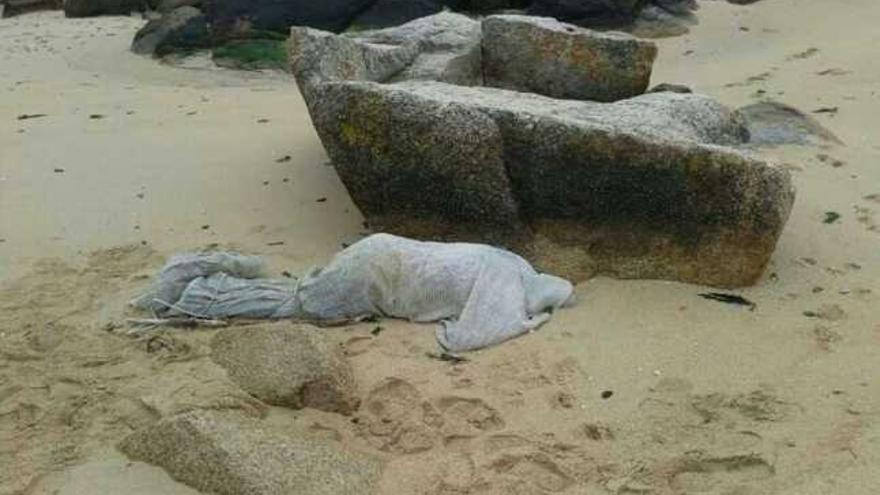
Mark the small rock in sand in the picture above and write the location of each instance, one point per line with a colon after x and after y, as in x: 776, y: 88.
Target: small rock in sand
x: 229, y: 454
x: 287, y: 365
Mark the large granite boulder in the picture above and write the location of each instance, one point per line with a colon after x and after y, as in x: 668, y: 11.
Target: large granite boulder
x: 229, y: 454
x: 287, y: 365
x: 545, y: 56
x: 182, y: 29
x: 644, y: 187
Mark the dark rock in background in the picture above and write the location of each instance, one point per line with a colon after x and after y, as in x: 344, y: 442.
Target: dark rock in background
x: 183, y: 29
x: 91, y: 8
x: 387, y: 13
x: 228, y: 18
x: 9, y: 8
x: 165, y: 6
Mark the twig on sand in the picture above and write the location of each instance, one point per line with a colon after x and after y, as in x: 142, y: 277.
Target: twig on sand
x: 729, y: 299
x: 178, y: 322
x: 447, y: 356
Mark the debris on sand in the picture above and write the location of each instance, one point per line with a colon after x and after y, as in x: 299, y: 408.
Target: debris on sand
x: 728, y: 299
x: 831, y: 217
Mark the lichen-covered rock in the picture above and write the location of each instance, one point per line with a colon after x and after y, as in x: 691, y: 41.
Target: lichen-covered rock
x: 419, y: 158
x: 542, y: 55
x: 319, y: 56
x: 443, y: 47
x: 287, y: 365
x: 645, y: 187
x: 228, y: 454
x: 182, y: 29
x: 447, y: 48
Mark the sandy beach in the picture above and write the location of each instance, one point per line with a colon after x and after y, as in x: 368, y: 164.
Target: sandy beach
x: 110, y: 162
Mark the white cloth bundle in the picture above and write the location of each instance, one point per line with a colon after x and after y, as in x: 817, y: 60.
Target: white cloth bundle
x: 481, y: 294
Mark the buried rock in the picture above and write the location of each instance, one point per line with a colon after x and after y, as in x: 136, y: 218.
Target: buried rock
x: 229, y: 454
x: 644, y: 187
x: 772, y: 123
x: 287, y: 365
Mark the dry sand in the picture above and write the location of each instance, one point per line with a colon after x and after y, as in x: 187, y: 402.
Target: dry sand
x: 705, y: 397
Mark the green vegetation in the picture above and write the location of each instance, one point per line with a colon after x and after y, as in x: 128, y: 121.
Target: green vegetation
x: 252, y: 54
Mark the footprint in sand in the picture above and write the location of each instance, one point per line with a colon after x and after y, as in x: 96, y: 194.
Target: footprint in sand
x: 868, y: 216
x: 827, y: 312
x: 395, y: 417
x: 702, y: 473
x: 356, y: 346
x: 531, y: 473
x: 825, y: 337
x: 758, y: 405
x: 429, y: 473
x: 468, y: 417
